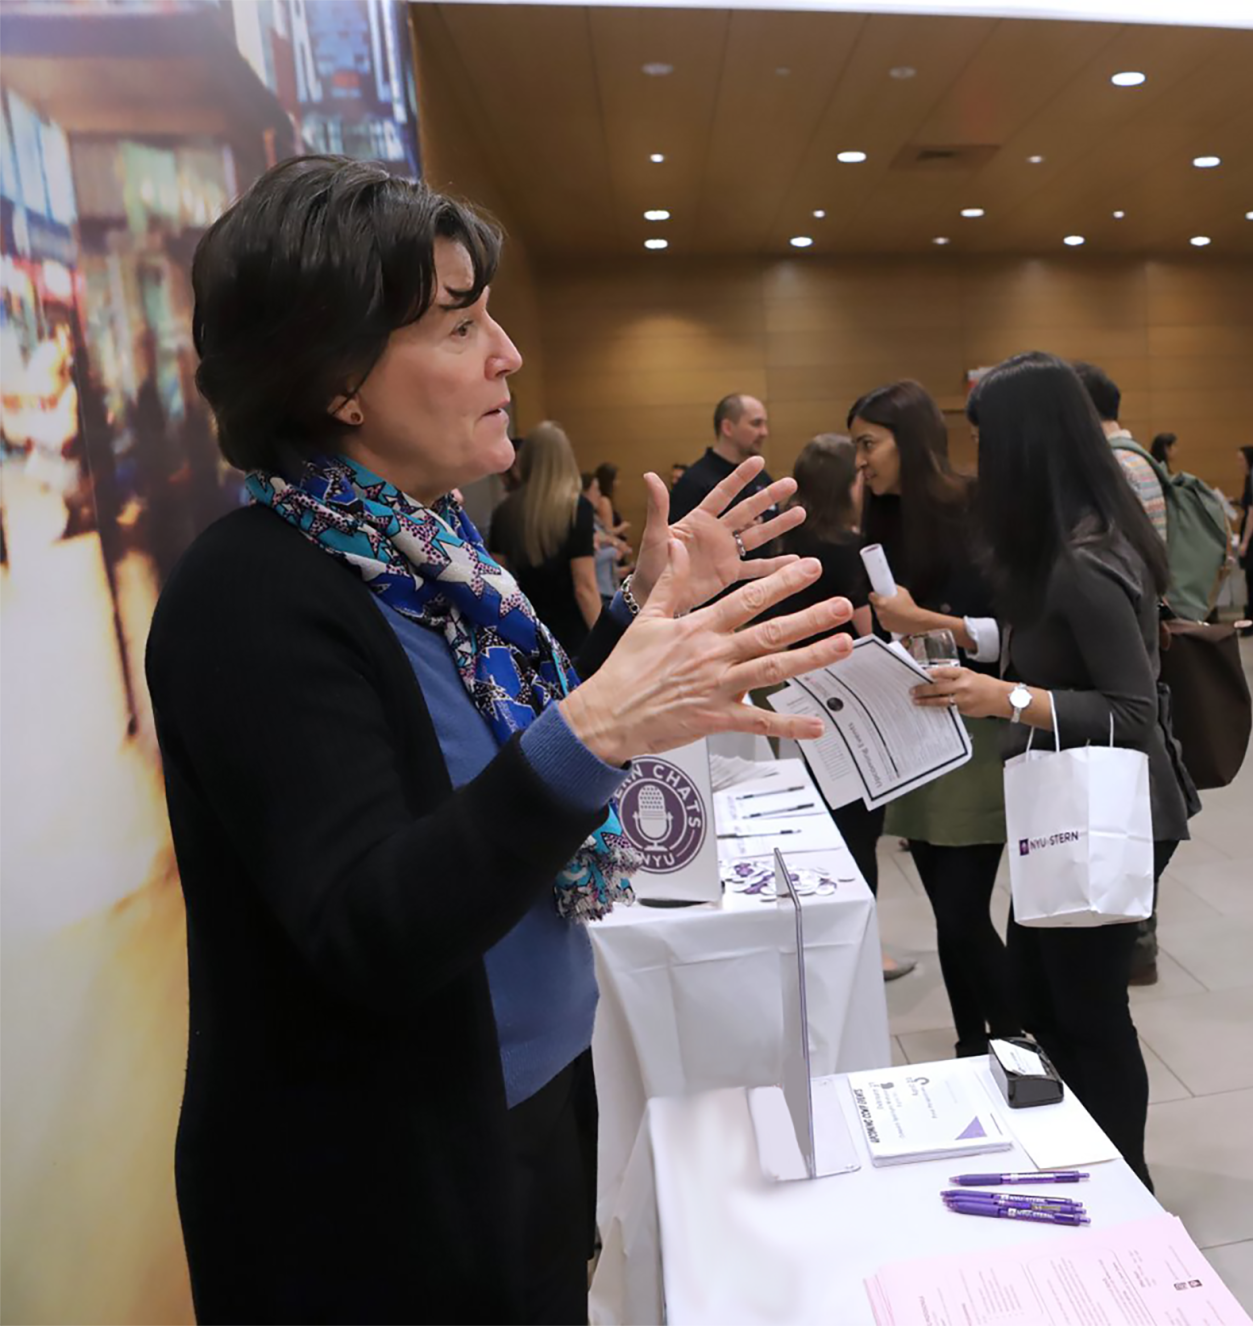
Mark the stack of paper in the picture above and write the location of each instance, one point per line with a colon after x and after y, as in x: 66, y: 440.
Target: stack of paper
x: 1143, y: 1273
x: 906, y: 1115
x: 780, y: 808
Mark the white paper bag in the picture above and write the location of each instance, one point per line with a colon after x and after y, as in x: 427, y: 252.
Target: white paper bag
x: 1080, y: 835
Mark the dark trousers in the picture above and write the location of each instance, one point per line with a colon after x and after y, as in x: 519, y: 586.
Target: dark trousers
x: 554, y: 1152
x: 861, y: 829
x: 1072, y: 988
x: 959, y: 882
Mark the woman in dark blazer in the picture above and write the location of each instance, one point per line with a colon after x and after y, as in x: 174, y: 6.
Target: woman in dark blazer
x: 391, y: 800
x: 1078, y: 570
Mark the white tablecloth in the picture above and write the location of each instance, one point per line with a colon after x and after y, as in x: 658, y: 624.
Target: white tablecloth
x: 738, y: 1251
x: 692, y: 999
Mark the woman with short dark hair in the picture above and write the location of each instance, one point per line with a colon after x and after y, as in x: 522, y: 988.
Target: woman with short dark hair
x: 391, y: 800
x: 1077, y: 569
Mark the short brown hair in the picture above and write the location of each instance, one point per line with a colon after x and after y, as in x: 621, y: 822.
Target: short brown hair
x: 300, y: 283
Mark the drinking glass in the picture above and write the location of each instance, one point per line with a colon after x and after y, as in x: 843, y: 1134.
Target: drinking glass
x: 933, y: 649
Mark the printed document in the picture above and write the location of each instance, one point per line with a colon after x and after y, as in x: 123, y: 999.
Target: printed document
x: 1142, y: 1273
x: 912, y: 1114
x: 878, y: 743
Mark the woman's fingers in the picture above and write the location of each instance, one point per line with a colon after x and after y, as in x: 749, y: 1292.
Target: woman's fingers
x: 756, y: 535
x: 772, y: 669
x: 723, y: 494
x: 759, y: 567
x: 666, y: 597
x: 779, y: 632
x: 766, y: 723
x: 742, y: 515
x: 752, y: 599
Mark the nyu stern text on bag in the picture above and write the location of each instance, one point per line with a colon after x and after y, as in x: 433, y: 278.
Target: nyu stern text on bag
x: 1080, y: 835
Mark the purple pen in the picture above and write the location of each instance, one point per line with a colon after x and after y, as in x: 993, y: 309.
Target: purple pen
x: 1011, y: 1199
x: 992, y: 1180
x: 1017, y: 1213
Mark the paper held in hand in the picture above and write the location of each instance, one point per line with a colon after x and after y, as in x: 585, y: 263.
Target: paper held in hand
x: 878, y: 743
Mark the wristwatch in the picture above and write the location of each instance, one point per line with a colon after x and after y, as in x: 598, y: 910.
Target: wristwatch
x: 1019, y: 702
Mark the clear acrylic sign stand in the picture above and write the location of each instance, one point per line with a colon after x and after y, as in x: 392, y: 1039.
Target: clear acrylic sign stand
x: 806, y: 1108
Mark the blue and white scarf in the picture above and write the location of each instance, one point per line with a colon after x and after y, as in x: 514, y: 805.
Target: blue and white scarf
x: 429, y: 563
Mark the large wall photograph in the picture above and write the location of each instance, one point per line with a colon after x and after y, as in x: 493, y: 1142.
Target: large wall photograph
x: 127, y: 126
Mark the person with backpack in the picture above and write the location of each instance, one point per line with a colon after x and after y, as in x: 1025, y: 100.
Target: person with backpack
x: 1185, y: 511
x: 1196, y: 549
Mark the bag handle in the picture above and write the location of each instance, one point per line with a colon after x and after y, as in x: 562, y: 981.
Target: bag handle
x: 1057, y: 736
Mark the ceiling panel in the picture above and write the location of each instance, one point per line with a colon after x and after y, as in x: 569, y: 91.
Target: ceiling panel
x: 759, y: 103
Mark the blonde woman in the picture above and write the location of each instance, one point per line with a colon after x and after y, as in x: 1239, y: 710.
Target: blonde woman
x: 546, y: 534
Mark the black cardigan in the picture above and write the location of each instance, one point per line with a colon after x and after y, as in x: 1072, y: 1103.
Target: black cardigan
x: 342, y: 1148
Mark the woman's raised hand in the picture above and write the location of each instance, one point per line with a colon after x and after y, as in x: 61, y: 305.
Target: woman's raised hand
x: 709, y: 533
x: 673, y: 680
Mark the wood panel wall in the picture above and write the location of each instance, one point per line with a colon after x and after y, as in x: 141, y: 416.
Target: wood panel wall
x: 459, y: 158
x: 636, y: 354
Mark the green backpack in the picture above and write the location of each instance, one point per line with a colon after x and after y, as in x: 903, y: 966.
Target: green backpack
x: 1198, y: 540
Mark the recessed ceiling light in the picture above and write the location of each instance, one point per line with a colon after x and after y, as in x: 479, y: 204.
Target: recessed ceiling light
x: 902, y: 71
x: 1248, y: 216
x: 850, y: 158
x: 940, y: 239
x: 800, y: 241
x: 657, y: 158
x: 819, y: 214
x: 656, y: 243
x: 1073, y: 241
x: 1128, y: 78
x: 656, y: 69
x: 1206, y: 163
x: 1118, y: 216
x: 1199, y: 241
x: 972, y: 211
x: 1035, y: 160
x: 783, y: 71
x: 657, y: 214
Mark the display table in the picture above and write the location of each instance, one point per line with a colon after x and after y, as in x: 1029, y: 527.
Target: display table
x: 697, y: 1228
x: 692, y: 999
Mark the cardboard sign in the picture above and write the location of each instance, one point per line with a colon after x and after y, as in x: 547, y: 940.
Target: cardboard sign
x: 667, y: 811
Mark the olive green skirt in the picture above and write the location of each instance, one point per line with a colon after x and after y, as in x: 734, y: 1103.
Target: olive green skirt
x: 960, y: 808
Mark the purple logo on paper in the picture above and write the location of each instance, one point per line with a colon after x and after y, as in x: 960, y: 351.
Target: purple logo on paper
x: 1023, y: 847
x: 663, y: 814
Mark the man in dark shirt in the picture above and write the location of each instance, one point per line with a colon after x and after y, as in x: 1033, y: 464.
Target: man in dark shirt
x: 740, y: 429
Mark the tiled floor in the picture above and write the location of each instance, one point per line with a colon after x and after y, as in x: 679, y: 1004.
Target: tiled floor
x: 1196, y: 1023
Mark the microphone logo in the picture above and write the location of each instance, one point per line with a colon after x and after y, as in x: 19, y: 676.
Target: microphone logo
x: 652, y: 818
x: 663, y: 814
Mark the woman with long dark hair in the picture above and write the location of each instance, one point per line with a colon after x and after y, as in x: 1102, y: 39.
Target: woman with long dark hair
x: 920, y: 511
x: 1078, y: 570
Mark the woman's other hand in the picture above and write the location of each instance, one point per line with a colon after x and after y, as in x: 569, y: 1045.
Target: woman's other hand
x: 672, y: 680
x: 900, y: 613
x: 974, y: 694
x: 708, y: 532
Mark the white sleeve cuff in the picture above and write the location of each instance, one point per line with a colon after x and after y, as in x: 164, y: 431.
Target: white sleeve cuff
x: 987, y: 637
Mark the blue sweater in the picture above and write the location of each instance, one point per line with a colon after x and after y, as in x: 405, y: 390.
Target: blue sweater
x: 541, y: 974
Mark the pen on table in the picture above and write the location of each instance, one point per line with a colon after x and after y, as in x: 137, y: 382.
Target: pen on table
x: 765, y: 833
x: 993, y: 1180
x: 782, y: 810
x: 1012, y: 1199
x: 773, y: 792
x: 1017, y: 1213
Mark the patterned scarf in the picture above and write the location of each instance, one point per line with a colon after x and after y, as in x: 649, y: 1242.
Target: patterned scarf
x: 429, y: 563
